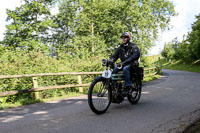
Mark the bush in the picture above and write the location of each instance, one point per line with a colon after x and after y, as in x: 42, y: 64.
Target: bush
x: 20, y: 62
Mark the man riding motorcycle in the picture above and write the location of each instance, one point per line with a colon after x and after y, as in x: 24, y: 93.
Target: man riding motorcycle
x: 129, y: 54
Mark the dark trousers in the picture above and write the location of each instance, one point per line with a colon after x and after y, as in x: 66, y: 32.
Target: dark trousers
x: 127, y: 74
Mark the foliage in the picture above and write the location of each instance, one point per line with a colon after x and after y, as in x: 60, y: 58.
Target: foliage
x: 107, y: 19
x: 92, y: 27
x: 29, y: 22
x: 167, y: 51
x: 81, y: 46
x: 20, y: 62
x: 184, y: 67
x: 194, y: 39
x: 150, y: 78
x: 151, y: 61
x: 188, y: 50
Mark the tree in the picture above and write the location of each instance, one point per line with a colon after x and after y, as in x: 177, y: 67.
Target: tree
x: 194, y: 39
x: 107, y: 19
x: 98, y: 23
x: 189, y: 49
x: 168, y: 51
x: 65, y: 22
x: 29, y: 25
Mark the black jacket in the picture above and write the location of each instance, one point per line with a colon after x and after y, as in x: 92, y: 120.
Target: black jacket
x: 127, y: 54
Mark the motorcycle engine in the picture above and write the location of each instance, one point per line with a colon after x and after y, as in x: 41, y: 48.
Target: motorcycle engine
x: 117, y: 96
x: 117, y: 99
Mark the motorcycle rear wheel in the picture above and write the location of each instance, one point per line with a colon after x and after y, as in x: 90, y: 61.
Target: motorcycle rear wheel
x: 134, y: 95
x: 99, y: 95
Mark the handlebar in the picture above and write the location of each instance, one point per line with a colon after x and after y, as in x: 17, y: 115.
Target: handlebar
x: 106, y: 62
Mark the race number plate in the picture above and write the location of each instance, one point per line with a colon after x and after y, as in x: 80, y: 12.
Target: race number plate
x: 106, y: 73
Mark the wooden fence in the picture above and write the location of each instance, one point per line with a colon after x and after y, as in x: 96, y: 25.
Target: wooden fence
x: 36, y: 88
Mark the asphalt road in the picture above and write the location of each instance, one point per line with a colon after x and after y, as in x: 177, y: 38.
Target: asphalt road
x: 167, y: 105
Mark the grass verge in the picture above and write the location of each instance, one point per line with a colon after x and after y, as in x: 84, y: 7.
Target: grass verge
x: 150, y: 78
x: 183, y: 67
x: 195, y: 128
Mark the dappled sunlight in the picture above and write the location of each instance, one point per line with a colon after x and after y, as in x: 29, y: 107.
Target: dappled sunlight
x: 57, y: 101
x: 162, y: 76
x: 40, y: 112
x: 10, y: 119
x: 166, y: 88
x: 44, y: 118
x: 79, y: 102
x: 159, y: 87
x: 145, y: 92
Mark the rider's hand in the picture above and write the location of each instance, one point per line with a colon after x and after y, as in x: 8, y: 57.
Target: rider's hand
x: 120, y: 65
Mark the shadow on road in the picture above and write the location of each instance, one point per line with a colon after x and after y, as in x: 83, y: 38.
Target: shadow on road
x: 27, y: 109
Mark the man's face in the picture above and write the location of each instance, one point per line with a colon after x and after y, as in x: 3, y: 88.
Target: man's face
x: 124, y: 40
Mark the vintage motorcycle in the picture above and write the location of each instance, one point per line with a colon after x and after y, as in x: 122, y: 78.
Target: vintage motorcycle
x: 111, y: 87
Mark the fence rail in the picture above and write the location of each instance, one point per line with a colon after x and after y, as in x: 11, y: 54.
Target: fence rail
x: 36, y: 89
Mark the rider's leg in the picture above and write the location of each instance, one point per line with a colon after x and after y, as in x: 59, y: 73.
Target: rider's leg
x: 127, y: 75
x: 115, y: 70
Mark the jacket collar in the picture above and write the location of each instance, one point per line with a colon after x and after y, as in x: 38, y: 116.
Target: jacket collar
x: 125, y: 45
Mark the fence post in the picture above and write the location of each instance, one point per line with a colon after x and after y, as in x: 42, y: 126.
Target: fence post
x: 80, y: 82
x: 35, y: 85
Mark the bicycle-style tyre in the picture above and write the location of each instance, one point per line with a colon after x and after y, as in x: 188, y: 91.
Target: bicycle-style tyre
x: 99, y: 95
x: 134, y: 95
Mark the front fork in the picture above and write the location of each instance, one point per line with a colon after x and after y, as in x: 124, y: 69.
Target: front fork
x: 103, y: 89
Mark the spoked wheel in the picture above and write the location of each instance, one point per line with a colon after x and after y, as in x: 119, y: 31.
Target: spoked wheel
x: 99, y: 95
x: 134, y: 95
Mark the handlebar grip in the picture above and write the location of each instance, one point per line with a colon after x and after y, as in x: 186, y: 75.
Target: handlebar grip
x: 104, y: 62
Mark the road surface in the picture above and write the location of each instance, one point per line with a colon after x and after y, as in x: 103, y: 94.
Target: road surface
x: 167, y: 105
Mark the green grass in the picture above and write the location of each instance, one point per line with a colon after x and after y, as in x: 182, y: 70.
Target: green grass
x: 71, y: 94
x: 195, y: 128
x: 153, y: 58
x: 183, y: 67
x: 150, y: 78
x: 17, y: 104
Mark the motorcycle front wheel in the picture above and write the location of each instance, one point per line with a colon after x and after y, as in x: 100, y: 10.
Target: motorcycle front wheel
x: 99, y: 95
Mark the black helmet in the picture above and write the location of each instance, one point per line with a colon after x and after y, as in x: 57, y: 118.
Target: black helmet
x: 125, y: 34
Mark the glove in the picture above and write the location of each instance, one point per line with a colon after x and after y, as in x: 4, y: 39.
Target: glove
x: 120, y: 65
